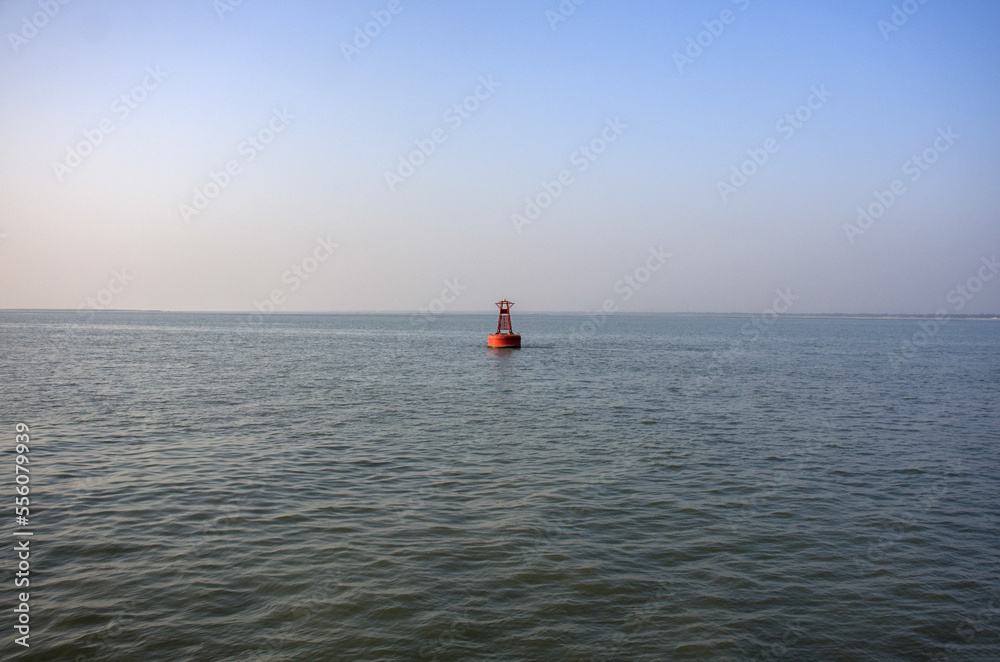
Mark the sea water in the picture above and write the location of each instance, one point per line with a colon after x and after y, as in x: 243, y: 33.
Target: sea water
x: 385, y: 487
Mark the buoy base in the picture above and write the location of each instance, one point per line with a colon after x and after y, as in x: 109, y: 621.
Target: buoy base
x: 504, y: 340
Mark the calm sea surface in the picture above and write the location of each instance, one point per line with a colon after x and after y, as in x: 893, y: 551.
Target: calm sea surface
x: 341, y: 487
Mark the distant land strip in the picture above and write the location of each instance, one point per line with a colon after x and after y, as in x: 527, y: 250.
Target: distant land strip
x: 858, y: 316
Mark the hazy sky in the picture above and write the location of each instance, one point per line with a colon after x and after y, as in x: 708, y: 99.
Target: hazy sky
x: 379, y: 155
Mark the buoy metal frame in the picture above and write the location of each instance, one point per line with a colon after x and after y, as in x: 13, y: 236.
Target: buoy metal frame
x: 504, y: 336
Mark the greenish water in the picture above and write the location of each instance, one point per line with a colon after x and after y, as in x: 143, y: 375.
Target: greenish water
x: 339, y: 487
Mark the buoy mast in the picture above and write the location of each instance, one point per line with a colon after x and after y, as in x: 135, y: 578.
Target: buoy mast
x: 504, y: 336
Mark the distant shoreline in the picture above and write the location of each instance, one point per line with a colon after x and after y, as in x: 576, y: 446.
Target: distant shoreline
x: 988, y: 317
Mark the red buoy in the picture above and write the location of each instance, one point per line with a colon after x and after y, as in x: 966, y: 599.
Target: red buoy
x: 505, y: 336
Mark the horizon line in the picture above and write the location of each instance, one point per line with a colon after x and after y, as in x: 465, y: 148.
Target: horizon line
x: 993, y: 315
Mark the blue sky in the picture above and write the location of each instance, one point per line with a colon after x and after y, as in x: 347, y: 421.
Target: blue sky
x: 929, y: 89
